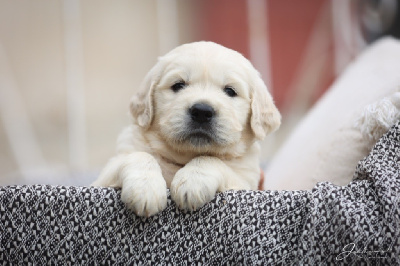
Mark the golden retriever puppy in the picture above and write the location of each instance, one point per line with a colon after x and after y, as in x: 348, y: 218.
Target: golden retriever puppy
x: 196, y: 120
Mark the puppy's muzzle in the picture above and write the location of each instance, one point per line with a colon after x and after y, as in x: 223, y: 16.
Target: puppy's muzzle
x: 201, y: 128
x: 201, y: 113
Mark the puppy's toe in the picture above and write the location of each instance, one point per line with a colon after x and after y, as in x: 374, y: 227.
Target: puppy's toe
x: 145, y: 193
x: 191, y: 189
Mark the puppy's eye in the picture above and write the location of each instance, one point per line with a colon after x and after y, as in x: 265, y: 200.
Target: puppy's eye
x: 178, y: 86
x: 230, y: 91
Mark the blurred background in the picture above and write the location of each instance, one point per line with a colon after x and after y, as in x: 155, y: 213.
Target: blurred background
x: 68, y: 68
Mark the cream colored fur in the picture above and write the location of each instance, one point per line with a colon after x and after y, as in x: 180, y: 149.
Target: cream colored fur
x: 155, y: 152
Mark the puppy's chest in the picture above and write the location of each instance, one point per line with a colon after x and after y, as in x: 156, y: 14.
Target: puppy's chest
x: 168, y: 169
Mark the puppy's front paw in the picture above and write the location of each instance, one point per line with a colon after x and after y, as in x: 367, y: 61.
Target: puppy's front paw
x: 192, y: 187
x: 144, y: 192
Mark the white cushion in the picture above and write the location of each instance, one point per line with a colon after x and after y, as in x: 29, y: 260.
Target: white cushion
x: 326, y: 146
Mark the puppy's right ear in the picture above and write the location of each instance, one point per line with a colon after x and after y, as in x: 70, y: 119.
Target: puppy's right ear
x: 141, y: 105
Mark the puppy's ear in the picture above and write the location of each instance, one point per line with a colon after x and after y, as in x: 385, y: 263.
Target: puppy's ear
x: 265, y: 117
x: 141, y: 105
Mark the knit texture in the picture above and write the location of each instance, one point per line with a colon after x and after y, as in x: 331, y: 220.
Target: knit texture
x: 354, y: 224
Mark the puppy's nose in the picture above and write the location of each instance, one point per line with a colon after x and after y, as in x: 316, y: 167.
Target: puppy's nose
x: 201, y: 113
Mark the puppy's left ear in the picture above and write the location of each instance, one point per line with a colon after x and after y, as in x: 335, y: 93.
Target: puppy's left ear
x: 265, y: 117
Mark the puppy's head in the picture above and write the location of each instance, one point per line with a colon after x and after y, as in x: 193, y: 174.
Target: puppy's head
x: 205, y: 98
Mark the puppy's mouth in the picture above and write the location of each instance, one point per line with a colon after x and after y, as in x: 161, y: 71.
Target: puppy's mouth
x: 189, y: 135
x: 199, y: 137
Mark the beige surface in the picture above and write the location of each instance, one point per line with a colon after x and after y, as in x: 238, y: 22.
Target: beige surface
x: 120, y: 43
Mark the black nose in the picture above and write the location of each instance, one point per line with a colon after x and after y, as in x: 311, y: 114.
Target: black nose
x: 201, y: 113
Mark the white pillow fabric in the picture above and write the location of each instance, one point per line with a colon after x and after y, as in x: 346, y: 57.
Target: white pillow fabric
x: 326, y: 145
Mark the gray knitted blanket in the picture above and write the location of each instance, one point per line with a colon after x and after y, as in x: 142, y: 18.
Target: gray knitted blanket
x: 355, y: 224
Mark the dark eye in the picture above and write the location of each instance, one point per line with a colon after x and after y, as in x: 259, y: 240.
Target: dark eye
x: 178, y: 86
x: 230, y: 91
